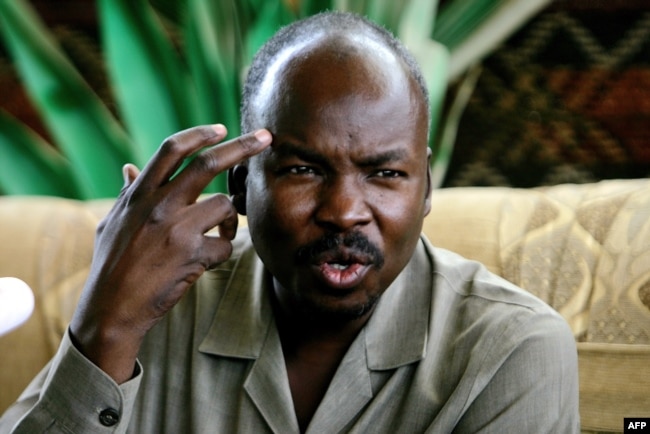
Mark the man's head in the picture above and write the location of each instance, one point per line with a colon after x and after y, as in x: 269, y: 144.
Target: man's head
x: 335, y: 205
x: 299, y: 34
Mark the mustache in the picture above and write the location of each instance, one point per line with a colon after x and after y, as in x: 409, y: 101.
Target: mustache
x: 356, y: 243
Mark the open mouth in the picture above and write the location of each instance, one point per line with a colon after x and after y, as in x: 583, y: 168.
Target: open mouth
x: 341, y: 262
x: 338, y: 265
x: 342, y: 273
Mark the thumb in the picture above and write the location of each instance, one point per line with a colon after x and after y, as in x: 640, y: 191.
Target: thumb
x: 129, y: 173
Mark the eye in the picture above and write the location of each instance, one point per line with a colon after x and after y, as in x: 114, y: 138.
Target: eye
x: 298, y: 170
x: 301, y: 170
x: 388, y: 173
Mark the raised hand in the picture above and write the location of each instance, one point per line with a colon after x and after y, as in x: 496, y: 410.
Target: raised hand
x: 153, y: 245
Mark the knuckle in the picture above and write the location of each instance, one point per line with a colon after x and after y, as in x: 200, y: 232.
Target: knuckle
x: 207, y: 162
x: 178, y: 236
x: 172, y: 145
x: 247, y: 145
x: 180, y: 240
x: 157, y: 215
x: 186, y: 140
x: 226, y: 251
x: 221, y: 254
x: 115, y: 213
x: 225, y: 207
x: 221, y: 200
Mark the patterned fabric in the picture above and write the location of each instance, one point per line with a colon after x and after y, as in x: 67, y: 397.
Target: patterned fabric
x: 585, y: 250
x: 581, y: 251
x: 566, y: 99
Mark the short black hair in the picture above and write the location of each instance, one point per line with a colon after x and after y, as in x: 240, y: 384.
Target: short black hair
x: 330, y: 22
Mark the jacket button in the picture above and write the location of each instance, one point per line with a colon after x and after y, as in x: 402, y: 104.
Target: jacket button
x: 109, y: 417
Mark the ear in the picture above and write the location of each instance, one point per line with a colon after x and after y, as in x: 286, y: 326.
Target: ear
x: 427, y: 197
x: 237, y: 187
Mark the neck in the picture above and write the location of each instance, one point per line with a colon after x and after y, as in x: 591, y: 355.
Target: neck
x: 306, y: 328
x: 303, y: 330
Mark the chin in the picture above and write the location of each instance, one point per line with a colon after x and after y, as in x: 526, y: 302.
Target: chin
x: 341, y: 310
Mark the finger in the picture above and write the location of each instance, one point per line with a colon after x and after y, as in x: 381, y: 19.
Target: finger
x: 215, y: 211
x: 130, y: 172
x: 228, y: 227
x: 173, y: 151
x: 216, y: 250
x: 198, y: 174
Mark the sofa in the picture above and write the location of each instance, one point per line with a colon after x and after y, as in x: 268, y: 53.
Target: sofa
x: 584, y: 249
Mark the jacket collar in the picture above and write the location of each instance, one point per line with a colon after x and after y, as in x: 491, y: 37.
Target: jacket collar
x: 395, y: 335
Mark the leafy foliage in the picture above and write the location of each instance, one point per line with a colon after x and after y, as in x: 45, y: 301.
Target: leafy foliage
x: 161, y: 87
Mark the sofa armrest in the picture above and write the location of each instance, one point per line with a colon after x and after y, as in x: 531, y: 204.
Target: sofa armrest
x: 48, y: 243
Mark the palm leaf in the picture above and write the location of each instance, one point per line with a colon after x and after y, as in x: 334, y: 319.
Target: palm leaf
x: 29, y: 165
x: 450, y: 121
x: 457, y: 19
x: 160, y: 90
x: 274, y: 15
x: 210, y: 53
x: 386, y: 12
x: 77, y: 119
x: 156, y: 97
x: 312, y: 7
x: 414, y: 30
x: 214, y: 49
x: 483, y: 37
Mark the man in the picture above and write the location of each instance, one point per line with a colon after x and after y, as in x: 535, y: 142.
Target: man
x: 334, y: 314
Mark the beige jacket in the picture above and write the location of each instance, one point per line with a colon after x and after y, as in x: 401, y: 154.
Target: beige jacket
x: 450, y: 348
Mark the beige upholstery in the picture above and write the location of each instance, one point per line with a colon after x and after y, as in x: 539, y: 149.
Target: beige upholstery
x: 585, y: 249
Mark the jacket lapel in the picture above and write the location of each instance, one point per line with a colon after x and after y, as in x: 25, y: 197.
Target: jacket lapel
x: 348, y: 393
x: 398, y: 331
x: 243, y: 328
x: 268, y: 387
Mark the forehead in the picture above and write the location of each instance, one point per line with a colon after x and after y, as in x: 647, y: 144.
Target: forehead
x: 348, y: 93
x: 357, y: 58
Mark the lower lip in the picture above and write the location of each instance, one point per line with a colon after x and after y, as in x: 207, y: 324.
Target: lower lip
x: 342, y: 278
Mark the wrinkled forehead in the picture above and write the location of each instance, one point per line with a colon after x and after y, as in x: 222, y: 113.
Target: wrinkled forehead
x: 372, y: 58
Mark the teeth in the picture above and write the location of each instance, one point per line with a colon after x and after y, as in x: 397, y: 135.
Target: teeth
x: 339, y: 266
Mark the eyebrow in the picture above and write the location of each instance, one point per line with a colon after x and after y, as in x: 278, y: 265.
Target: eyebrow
x: 383, y: 158
x: 285, y: 150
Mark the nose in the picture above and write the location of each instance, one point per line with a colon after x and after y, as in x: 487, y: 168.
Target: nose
x: 342, y: 205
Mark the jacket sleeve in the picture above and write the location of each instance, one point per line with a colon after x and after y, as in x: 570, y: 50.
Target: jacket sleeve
x: 72, y: 395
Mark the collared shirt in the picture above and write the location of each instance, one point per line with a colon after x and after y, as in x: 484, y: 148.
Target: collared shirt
x: 449, y: 348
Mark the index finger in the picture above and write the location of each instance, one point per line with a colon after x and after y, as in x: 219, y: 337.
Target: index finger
x: 174, y: 150
x: 217, y: 159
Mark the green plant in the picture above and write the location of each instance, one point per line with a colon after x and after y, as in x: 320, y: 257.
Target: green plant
x: 177, y: 64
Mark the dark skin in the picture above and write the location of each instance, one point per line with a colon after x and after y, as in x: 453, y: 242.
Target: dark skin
x: 349, y: 156
x: 349, y: 160
x: 152, y: 245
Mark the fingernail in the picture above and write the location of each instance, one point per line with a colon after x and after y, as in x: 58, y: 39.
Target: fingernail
x: 263, y: 136
x: 220, y: 129
x: 125, y: 174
